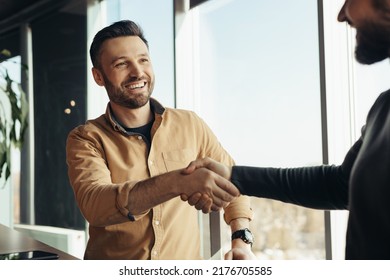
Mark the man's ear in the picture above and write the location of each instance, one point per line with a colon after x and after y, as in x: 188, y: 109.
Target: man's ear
x: 97, y: 75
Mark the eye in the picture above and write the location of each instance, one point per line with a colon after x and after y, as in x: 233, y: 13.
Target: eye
x: 120, y: 64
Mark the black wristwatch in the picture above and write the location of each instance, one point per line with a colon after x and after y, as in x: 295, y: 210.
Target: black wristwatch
x: 245, y: 234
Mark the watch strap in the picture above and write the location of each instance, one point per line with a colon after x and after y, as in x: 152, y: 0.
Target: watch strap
x: 245, y: 235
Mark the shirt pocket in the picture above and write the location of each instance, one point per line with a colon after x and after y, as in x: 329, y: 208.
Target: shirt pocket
x: 177, y: 159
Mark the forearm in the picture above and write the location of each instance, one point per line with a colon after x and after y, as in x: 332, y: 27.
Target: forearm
x: 101, y: 204
x: 238, y: 224
x: 238, y: 215
x: 151, y: 192
x: 321, y: 187
x: 104, y: 203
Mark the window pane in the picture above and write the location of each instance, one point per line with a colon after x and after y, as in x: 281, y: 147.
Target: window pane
x: 260, y: 93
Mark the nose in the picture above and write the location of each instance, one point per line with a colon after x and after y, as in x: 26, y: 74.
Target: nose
x: 135, y: 70
x: 342, y: 16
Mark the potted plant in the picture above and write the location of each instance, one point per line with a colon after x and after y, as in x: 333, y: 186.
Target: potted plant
x: 13, y: 116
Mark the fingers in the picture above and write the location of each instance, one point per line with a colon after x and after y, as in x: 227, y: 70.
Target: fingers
x: 221, y: 190
x: 195, y: 165
x: 215, y: 166
x: 229, y: 255
x: 225, y: 190
x: 207, y: 190
x: 216, y: 208
x: 207, y: 207
x: 202, y: 202
x: 240, y: 254
x: 195, y: 198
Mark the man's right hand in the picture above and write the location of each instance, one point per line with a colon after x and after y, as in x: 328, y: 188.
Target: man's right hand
x: 203, y: 201
x: 215, y: 192
x: 213, y: 165
x: 206, y: 189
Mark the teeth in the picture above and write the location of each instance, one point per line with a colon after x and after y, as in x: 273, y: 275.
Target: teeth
x: 134, y: 86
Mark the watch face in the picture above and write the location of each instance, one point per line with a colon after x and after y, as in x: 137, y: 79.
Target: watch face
x: 248, y: 236
x: 245, y: 235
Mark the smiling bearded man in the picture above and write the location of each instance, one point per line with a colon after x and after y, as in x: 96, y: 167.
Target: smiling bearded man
x: 125, y: 166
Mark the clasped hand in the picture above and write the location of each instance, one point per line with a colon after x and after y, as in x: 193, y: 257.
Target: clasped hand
x: 217, y: 177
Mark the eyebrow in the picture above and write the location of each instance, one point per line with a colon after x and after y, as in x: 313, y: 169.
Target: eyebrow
x: 125, y: 57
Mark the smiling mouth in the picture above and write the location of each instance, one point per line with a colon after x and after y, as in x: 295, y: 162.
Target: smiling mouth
x: 136, y: 85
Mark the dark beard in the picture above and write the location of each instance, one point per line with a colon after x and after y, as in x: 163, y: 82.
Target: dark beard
x: 373, y: 43
x: 120, y: 97
x: 137, y: 101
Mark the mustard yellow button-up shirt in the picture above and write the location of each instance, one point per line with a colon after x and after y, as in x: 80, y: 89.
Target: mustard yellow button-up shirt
x: 105, y: 162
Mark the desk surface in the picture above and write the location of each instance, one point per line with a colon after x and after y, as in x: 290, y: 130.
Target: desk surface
x: 12, y: 241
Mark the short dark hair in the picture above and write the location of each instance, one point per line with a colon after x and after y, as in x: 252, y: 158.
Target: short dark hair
x: 117, y: 29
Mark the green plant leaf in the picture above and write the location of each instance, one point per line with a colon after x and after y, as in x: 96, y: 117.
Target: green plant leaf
x: 12, y: 129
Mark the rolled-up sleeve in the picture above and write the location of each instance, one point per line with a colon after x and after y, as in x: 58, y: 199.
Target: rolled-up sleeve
x: 238, y: 208
x: 101, y: 202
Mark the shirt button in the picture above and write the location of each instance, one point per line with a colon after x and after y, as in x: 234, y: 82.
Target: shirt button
x: 139, y: 137
x: 155, y: 253
x: 157, y: 222
x: 151, y: 162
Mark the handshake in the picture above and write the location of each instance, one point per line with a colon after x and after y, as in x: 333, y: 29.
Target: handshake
x: 209, y: 186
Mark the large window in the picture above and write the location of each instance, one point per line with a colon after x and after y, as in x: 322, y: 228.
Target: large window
x: 257, y: 84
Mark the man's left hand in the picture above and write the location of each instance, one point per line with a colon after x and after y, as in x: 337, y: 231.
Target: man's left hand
x: 240, y: 254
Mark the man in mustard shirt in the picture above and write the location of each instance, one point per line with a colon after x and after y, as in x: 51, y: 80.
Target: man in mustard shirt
x: 126, y: 166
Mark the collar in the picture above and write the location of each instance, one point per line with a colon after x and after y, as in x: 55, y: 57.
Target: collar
x: 155, y: 106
